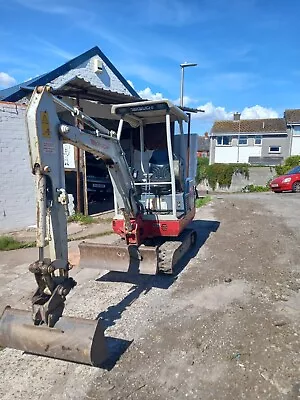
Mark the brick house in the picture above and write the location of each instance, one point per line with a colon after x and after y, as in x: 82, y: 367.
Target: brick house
x: 203, y: 145
x: 91, y: 78
x: 255, y: 141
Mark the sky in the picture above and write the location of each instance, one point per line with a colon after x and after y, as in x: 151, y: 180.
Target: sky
x: 247, y: 51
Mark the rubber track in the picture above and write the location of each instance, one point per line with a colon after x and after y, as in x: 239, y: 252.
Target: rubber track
x: 167, y: 250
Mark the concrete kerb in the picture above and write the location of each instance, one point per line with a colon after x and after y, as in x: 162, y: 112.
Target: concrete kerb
x: 75, y: 230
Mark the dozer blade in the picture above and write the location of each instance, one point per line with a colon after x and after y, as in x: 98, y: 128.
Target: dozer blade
x: 72, y: 339
x: 119, y: 257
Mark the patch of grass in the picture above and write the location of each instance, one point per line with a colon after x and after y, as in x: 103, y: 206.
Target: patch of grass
x: 82, y: 219
x: 202, y: 201
x: 256, y: 188
x: 9, y: 243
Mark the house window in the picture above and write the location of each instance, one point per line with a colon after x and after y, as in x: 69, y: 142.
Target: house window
x: 224, y: 140
x: 296, y: 130
x: 257, y: 140
x: 274, y: 149
x: 243, y: 140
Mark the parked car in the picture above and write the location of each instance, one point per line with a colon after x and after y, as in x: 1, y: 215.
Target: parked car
x: 290, y: 182
x: 99, y: 186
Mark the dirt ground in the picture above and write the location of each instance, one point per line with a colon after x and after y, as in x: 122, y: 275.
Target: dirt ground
x: 225, y: 327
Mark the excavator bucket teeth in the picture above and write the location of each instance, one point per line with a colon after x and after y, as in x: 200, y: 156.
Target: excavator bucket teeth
x: 122, y: 258
x: 72, y: 339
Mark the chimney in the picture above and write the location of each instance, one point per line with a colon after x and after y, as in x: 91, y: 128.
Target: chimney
x: 236, y: 116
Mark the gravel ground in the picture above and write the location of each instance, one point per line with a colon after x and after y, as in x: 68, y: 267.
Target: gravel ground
x: 225, y: 327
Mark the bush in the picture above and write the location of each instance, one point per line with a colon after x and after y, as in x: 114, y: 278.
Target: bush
x: 220, y: 174
x: 289, y: 163
x: 202, y: 164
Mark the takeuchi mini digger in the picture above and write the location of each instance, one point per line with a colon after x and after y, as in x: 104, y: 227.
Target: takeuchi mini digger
x: 154, y: 196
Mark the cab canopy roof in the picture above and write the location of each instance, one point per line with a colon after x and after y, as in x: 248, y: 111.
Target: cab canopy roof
x: 148, y: 112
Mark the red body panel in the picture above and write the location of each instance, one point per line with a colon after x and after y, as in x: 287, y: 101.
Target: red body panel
x: 151, y: 229
x: 278, y: 184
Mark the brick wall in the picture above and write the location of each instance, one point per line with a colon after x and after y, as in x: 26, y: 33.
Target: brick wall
x: 17, y: 196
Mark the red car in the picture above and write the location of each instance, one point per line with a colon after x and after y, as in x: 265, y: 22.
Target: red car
x: 287, y: 183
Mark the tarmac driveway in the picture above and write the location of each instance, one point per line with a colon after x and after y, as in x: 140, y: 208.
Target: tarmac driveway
x: 225, y: 327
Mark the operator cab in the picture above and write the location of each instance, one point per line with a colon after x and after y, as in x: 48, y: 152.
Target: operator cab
x: 162, y: 157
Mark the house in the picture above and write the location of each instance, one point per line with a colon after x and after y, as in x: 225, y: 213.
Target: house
x: 203, y: 145
x: 292, y: 118
x: 89, y: 81
x: 255, y: 141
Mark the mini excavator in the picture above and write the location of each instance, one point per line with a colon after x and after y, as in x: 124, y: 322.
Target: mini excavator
x: 154, y: 197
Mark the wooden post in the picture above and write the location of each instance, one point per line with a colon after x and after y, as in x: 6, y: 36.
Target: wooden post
x: 84, y: 181
x: 78, y: 187
x: 80, y: 168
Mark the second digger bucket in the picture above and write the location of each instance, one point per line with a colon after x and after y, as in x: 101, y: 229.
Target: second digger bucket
x: 121, y: 258
x: 72, y: 339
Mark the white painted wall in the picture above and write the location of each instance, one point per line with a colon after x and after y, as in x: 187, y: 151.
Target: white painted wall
x: 248, y: 151
x: 17, y: 194
x: 295, y: 150
x: 224, y: 154
x: 233, y: 154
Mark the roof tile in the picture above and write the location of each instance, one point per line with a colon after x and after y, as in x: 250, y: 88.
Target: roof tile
x: 292, y: 115
x: 270, y: 125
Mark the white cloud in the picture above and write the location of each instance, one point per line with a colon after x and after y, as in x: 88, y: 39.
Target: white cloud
x: 213, y: 113
x: 186, y: 101
x: 258, y: 112
x: 55, y: 7
x: 6, y: 80
x: 147, y: 94
x: 46, y: 47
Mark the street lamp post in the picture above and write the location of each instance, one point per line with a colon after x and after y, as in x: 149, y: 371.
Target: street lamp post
x: 183, y: 66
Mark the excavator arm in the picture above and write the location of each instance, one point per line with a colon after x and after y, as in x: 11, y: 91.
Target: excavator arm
x: 46, y: 135
x: 45, y: 331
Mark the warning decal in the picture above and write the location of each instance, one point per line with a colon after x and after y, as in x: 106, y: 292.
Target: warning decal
x: 45, y: 124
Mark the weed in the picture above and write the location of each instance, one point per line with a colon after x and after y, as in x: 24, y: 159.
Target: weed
x: 82, y: 219
x: 256, y: 188
x: 202, y: 201
x: 9, y: 243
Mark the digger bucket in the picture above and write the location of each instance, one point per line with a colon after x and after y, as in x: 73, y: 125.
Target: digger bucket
x: 122, y: 258
x: 72, y: 339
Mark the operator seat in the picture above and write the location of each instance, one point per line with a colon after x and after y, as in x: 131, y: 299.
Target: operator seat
x: 159, y: 171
